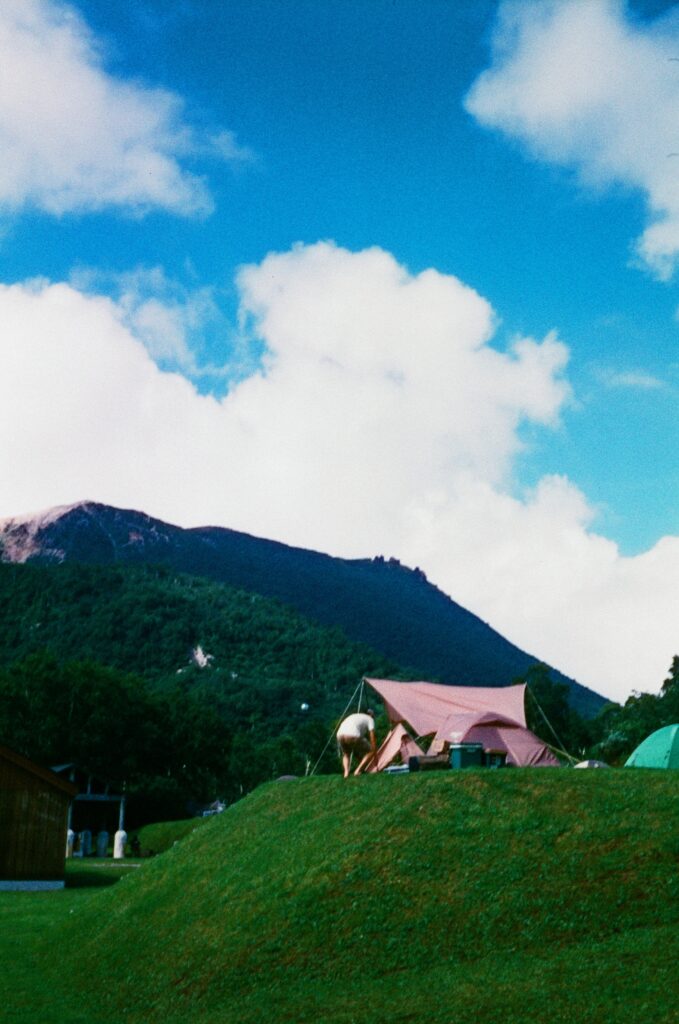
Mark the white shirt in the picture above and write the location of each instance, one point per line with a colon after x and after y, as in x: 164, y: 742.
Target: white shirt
x: 357, y: 726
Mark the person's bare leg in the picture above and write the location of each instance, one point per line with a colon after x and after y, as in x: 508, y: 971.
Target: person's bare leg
x: 368, y: 757
x: 346, y: 763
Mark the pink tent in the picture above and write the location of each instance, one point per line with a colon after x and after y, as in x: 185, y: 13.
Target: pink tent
x: 398, y: 743
x: 493, y: 716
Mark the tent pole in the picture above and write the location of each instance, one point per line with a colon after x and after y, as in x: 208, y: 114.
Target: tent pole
x: 563, y: 753
x: 339, y: 722
x: 561, y: 748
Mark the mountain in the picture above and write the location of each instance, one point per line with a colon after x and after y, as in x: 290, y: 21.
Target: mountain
x: 182, y: 687
x: 379, y: 602
x: 166, y: 627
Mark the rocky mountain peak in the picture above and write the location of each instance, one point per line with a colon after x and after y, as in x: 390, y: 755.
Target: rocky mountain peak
x: 85, y: 530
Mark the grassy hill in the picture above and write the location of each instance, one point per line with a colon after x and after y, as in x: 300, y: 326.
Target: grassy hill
x: 485, y: 895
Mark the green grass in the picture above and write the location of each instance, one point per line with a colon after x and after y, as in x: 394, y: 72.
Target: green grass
x: 162, y: 835
x: 486, y: 895
x: 32, y: 986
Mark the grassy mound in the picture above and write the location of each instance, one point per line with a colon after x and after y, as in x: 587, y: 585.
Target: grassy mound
x: 162, y: 835
x: 489, y: 894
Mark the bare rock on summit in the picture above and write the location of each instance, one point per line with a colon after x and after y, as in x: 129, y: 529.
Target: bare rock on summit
x: 86, y: 531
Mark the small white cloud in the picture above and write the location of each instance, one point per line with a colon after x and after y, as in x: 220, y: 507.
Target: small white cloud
x: 75, y: 138
x: 583, y: 85
x: 634, y: 380
x: 225, y: 145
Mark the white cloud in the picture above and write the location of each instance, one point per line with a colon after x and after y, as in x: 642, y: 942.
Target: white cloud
x: 176, y: 323
x: 75, y: 138
x: 631, y: 380
x: 583, y: 85
x: 225, y: 144
x: 537, y: 572
x: 382, y: 422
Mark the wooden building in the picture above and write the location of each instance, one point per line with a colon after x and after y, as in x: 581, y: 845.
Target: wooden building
x: 34, y: 807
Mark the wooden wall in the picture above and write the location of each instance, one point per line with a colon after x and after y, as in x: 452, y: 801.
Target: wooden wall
x: 33, y: 823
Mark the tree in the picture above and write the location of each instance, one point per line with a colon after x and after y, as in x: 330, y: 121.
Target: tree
x: 622, y: 729
x: 550, y: 716
x: 669, y: 695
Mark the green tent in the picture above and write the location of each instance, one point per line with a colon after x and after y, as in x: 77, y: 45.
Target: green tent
x: 659, y: 750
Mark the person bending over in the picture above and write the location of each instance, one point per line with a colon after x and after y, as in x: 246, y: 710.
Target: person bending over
x: 356, y: 735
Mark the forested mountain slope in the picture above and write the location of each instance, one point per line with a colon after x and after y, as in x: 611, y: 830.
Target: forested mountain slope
x: 379, y: 602
x: 164, y: 625
x: 181, y: 687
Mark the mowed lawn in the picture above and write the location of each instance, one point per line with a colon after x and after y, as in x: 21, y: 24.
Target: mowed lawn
x: 32, y: 985
x: 496, y: 895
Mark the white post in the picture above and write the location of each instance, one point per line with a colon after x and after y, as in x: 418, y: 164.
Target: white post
x: 70, y: 840
x: 119, y: 841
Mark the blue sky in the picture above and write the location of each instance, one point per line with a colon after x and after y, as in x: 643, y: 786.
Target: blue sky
x: 504, y: 145
x: 354, y: 113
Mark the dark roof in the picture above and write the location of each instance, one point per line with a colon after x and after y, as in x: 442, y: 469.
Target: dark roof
x: 82, y: 779
x: 35, y: 769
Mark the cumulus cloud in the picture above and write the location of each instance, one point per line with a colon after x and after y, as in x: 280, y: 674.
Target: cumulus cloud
x: 582, y: 84
x: 384, y: 419
x: 402, y: 362
x: 535, y: 569
x: 74, y: 137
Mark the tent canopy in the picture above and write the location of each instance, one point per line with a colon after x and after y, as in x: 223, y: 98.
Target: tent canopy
x: 659, y: 750
x: 426, y: 706
x: 457, y: 726
x: 493, y: 716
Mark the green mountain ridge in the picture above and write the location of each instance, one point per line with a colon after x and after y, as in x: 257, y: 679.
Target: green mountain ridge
x: 378, y: 602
